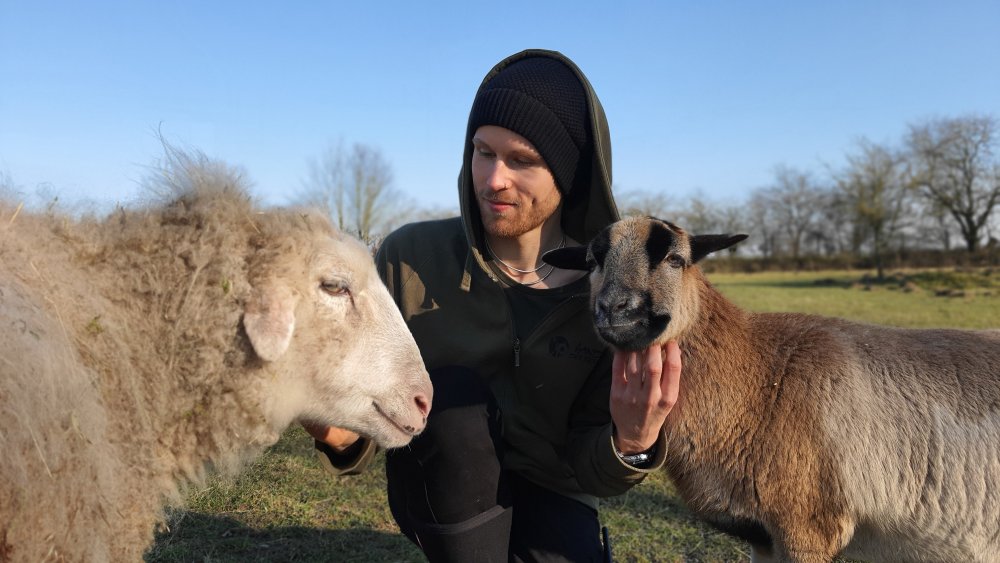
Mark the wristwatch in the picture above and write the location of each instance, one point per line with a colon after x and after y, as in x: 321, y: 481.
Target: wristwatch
x: 639, y: 460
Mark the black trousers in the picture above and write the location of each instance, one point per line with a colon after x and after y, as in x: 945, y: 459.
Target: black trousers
x: 449, y: 494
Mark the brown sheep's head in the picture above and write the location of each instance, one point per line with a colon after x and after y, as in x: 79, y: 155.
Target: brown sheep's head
x: 322, y: 322
x: 638, y: 269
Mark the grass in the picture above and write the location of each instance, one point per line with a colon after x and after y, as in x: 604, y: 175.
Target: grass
x: 917, y: 299
x: 285, y: 507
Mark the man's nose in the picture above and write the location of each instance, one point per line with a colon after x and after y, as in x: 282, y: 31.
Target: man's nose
x: 499, y: 177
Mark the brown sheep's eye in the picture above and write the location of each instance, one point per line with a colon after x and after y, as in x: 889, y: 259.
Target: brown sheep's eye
x: 675, y: 261
x: 336, y: 288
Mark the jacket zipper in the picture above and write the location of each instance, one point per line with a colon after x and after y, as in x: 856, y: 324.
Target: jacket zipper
x: 513, y: 329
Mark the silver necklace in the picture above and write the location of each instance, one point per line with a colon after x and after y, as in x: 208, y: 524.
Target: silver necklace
x: 562, y: 243
x: 541, y: 279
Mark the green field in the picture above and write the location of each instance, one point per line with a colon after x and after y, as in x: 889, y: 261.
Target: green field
x: 285, y: 508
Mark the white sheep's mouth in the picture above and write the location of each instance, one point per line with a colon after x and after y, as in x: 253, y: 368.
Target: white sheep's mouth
x: 409, y: 431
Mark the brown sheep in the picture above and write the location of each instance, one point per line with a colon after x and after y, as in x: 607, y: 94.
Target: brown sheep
x: 808, y: 436
x: 139, y: 350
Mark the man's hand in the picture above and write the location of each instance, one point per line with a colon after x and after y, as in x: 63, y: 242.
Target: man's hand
x: 644, y: 388
x: 339, y: 439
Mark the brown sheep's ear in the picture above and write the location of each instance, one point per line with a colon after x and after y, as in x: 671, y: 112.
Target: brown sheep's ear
x: 569, y: 258
x: 703, y: 245
x: 269, y: 320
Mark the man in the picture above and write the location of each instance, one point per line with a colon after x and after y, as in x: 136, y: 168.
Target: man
x: 533, y: 418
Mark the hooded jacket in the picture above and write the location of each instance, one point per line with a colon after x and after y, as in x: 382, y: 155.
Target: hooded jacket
x: 552, y: 386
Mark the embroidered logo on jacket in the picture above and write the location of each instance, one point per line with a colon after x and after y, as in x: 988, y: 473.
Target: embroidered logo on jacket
x: 560, y: 347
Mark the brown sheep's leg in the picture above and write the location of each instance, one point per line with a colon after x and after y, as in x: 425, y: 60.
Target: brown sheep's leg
x: 818, y: 542
x: 762, y: 554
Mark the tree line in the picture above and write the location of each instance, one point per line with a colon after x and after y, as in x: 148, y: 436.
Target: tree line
x: 938, y: 188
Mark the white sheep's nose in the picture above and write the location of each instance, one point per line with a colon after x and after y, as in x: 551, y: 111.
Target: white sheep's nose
x: 423, y: 403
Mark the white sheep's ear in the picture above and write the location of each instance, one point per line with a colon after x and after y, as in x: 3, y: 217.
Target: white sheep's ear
x: 269, y: 320
x: 703, y: 245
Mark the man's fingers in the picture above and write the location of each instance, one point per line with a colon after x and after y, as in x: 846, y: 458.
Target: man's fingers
x: 652, y: 359
x: 671, y: 382
x: 634, y: 368
x: 618, y: 362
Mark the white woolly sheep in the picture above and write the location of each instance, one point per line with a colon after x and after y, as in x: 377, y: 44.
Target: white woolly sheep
x: 139, y: 350
x: 808, y: 436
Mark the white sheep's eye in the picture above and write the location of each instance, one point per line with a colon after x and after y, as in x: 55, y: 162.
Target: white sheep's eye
x: 675, y: 261
x: 336, y: 288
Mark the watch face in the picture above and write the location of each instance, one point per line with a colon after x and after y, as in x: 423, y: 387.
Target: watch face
x: 637, y: 460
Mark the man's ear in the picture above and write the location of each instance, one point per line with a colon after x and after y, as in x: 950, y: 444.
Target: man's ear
x: 569, y: 258
x: 703, y: 245
x: 269, y: 320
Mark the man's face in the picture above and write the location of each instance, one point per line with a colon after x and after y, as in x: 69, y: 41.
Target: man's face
x: 514, y: 188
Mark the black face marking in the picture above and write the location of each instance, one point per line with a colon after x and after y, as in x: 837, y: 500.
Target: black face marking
x: 658, y: 324
x: 600, y: 246
x: 658, y: 243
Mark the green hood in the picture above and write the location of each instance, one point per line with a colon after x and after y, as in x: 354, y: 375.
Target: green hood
x: 587, y: 209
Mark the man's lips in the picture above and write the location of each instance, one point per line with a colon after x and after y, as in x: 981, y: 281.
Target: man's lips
x: 497, y: 206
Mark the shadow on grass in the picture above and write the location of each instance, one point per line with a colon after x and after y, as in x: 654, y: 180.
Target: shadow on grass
x: 648, y: 502
x: 805, y: 283
x: 194, y: 536
x: 650, y: 523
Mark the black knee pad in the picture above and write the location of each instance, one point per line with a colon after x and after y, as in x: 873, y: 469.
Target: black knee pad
x: 483, y: 538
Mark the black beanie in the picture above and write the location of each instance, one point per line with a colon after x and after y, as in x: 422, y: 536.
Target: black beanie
x: 542, y: 100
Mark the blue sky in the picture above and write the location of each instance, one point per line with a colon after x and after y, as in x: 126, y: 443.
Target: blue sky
x: 702, y: 96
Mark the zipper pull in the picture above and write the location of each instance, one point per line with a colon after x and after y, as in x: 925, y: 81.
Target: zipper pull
x: 517, y: 352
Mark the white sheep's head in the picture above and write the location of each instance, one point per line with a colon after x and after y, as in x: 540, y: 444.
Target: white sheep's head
x: 639, y: 267
x: 320, y: 319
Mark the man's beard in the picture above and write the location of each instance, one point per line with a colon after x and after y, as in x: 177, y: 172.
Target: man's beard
x: 519, y: 220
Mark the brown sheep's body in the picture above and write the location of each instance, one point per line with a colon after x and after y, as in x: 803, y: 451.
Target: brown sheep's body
x: 808, y: 436
x: 793, y: 424
x: 126, y: 370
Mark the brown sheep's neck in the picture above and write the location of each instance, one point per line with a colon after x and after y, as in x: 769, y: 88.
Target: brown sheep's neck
x: 720, y: 379
x: 720, y: 359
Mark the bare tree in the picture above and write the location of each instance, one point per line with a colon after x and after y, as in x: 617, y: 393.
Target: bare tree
x: 645, y: 203
x: 700, y: 215
x: 763, y: 224
x: 876, y: 191
x: 355, y: 187
x: 794, y: 200
x: 956, y: 167
x: 936, y: 223
x: 834, y: 231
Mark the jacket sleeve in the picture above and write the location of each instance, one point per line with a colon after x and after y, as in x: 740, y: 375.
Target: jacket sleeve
x: 355, y: 460
x: 599, y: 470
